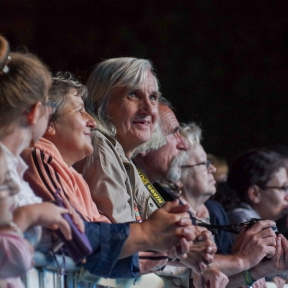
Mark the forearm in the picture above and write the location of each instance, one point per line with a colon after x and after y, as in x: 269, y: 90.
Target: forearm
x: 24, y: 217
x: 230, y: 264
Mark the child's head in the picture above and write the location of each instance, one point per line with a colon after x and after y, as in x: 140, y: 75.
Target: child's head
x: 7, y: 190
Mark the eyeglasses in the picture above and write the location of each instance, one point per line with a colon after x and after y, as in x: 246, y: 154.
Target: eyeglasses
x: 207, y: 163
x: 283, y: 188
x: 51, y: 105
x: 8, y: 187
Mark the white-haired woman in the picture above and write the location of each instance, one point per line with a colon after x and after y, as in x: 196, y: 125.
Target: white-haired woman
x: 123, y: 99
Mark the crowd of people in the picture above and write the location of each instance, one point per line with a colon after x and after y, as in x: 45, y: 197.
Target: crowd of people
x: 132, y: 178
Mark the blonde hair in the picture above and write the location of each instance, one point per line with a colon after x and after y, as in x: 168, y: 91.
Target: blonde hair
x: 24, y: 81
x: 116, y: 72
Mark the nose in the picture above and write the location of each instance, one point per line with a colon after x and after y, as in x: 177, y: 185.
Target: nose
x: 181, y: 143
x: 212, y: 168
x: 90, y: 122
x: 147, y: 107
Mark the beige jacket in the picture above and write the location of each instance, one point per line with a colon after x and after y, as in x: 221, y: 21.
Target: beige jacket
x: 114, y: 181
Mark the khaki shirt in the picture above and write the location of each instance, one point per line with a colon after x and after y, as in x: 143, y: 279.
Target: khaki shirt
x: 114, y: 181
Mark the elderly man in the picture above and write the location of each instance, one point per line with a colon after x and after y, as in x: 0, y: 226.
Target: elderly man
x: 166, y: 162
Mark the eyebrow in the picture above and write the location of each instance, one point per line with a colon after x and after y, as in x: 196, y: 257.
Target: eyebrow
x: 174, y: 130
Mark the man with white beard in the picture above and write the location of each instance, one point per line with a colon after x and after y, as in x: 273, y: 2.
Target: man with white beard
x: 165, y: 162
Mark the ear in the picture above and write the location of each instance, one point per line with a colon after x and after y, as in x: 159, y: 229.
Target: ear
x: 254, y: 194
x: 50, y: 130
x: 34, y: 114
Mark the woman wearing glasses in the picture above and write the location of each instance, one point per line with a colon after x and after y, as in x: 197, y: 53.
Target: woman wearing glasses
x: 260, y: 181
x: 198, y: 185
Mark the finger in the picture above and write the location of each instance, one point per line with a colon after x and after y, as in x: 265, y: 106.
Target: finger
x: 270, y: 252
x: 169, y: 205
x: 66, y: 203
x: 180, y: 208
x: 202, y: 267
x: 269, y: 241
x: 185, y: 221
x: 209, y: 258
x: 267, y: 232
x: 284, y: 244
x: 188, y: 233
x: 65, y: 229
x: 184, y: 246
x: 81, y: 224
x: 62, y: 210
x: 205, y: 235
x: 262, y: 224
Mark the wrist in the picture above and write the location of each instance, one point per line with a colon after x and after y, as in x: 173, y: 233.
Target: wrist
x: 249, y: 280
x: 139, y: 234
x: 242, y: 263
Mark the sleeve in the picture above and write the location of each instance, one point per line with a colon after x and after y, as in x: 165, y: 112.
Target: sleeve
x: 107, y: 182
x: 107, y: 241
x: 16, y: 255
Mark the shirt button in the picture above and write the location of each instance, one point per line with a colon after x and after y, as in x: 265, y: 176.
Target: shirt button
x: 127, y: 167
x: 151, y: 205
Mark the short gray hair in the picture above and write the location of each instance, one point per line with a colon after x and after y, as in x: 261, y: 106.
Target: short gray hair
x: 109, y: 74
x: 62, y: 84
x: 191, y: 132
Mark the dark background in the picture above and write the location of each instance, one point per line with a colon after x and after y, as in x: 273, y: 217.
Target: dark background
x: 221, y: 63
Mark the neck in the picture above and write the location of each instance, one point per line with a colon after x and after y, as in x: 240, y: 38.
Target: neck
x: 141, y: 164
x: 16, y: 141
x: 195, y: 202
x: 128, y: 149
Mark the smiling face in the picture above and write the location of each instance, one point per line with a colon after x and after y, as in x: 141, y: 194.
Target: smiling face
x: 71, y: 131
x: 134, y: 113
x: 273, y: 202
x: 198, y: 181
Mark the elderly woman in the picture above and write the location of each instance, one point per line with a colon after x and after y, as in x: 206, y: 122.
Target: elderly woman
x: 123, y: 99
x: 66, y: 141
x: 198, y: 185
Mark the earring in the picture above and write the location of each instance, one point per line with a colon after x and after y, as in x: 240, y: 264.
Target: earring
x: 32, y: 142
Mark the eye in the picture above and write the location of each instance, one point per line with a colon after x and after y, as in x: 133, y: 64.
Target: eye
x: 153, y: 98
x: 81, y: 110
x: 132, y: 95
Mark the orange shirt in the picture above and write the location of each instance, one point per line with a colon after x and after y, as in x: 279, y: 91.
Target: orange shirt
x: 47, y: 171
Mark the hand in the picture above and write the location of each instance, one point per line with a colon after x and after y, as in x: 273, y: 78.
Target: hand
x: 169, y: 226
x: 201, y: 253
x: 261, y: 283
x: 280, y: 282
x: 45, y: 214
x: 275, y: 265
x: 211, y: 278
x: 255, y: 243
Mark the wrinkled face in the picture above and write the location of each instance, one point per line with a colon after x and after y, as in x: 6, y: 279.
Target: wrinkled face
x: 167, y: 160
x: 7, y: 202
x: 72, y: 130
x: 198, y: 180
x: 134, y: 112
x: 273, y: 201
